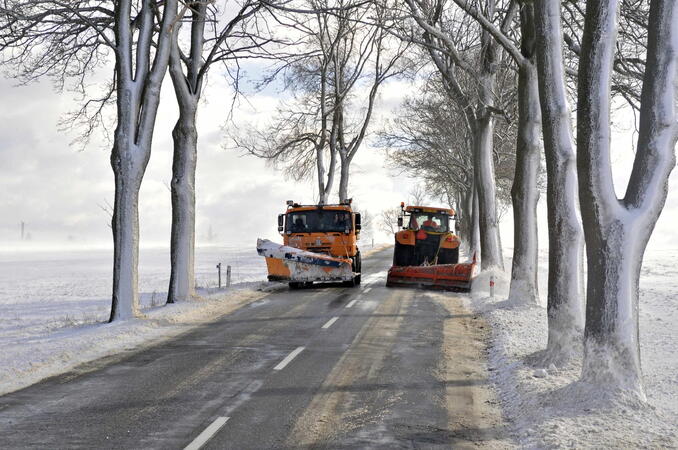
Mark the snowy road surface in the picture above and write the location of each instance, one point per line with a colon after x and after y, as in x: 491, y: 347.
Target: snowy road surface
x: 332, y: 367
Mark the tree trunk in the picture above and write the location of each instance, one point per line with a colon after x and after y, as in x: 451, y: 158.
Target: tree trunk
x: 320, y: 165
x: 524, y: 192
x: 490, y: 246
x: 125, y: 226
x: 343, y: 180
x: 612, y: 346
x: 474, y: 241
x: 485, y: 188
x: 565, y: 309
x: 465, y: 225
x: 182, y: 248
x: 617, y: 231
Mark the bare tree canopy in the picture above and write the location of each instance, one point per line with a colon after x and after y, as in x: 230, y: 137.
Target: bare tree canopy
x: 334, y: 78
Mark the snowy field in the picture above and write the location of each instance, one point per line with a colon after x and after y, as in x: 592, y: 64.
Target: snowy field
x: 549, y: 408
x: 43, y: 291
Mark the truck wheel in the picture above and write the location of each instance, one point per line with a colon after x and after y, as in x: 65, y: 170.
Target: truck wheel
x: 356, y: 267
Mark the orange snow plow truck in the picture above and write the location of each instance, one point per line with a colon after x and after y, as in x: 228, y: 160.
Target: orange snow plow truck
x: 320, y: 244
x: 426, y: 252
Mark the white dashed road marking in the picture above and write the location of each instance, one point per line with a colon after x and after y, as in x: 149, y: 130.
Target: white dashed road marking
x: 289, y: 358
x: 367, y: 290
x: 351, y: 303
x: 330, y: 322
x: 207, y: 434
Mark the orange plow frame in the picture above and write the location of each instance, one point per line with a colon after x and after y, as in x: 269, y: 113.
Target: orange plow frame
x: 455, y: 277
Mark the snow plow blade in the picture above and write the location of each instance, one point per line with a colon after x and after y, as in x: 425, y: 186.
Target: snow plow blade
x: 291, y: 264
x: 453, y: 277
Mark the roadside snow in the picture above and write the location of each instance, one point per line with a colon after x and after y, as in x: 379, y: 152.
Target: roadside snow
x: 28, y: 359
x: 54, y: 307
x: 550, y: 408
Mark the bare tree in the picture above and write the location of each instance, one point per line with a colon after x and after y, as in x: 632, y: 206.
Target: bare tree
x: 388, y: 220
x: 211, y: 40
x: 418, y: 195
x: 72, y: 39
x: 617, y: 229
x: 565, y: 309
x: 336, y: 79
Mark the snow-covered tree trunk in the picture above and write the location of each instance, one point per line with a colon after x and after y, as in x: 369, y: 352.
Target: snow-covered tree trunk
x: 474, y: 241
x: 617, y: 230
x: 182, y: 248
x: 466, y: 218
x: 343, y: 176
x: 524, y: 192
x: 125, y: 226
x: 187, y: 89
x: 565, y: 307
x: 490, y: 246
x: 138, y: 96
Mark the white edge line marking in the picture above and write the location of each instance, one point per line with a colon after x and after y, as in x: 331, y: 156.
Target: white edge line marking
x: 351, y: 303
x: 289, y: 358
x: 207, y: 434
x: 330, y: 322
x: 367, y: 290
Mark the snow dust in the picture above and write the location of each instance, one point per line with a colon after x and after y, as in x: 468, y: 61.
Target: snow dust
x: 549, y: 407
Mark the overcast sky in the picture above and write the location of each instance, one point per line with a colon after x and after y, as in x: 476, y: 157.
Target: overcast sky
x: 61, y: 193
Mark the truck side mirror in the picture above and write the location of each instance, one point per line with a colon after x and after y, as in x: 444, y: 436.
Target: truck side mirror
x: 357, y: 222
x: 400, y: 222
x: 281, y: 218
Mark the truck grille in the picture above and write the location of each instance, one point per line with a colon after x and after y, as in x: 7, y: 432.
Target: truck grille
x: 319, y: 250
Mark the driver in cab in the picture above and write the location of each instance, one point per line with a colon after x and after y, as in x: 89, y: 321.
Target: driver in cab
x: 340, y: 221
x: 430, y: 222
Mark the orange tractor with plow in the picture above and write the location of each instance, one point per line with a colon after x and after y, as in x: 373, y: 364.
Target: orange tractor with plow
x: 426, y: 252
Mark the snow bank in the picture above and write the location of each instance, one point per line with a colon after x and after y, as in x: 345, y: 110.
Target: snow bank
x: 550, y: 408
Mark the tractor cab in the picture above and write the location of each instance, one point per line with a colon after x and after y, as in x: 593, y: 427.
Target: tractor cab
x: 426, y: 237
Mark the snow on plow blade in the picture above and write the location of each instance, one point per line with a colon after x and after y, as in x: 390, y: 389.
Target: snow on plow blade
x: 286, y: 263
x: 454, y: 277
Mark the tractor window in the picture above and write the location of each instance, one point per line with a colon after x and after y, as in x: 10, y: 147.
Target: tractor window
x: 429, y: 222
x: 318, y: 221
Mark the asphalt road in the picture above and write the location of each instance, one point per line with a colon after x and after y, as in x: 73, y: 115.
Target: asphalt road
x: 330, y: 367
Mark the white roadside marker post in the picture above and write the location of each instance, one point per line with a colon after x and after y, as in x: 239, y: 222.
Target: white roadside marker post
x: 492, y: 287
x: 228, y: 276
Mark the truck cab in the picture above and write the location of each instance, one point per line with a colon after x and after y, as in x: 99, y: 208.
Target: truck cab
x: 333, y: 230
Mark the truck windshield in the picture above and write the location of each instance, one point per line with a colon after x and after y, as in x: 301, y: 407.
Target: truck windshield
x: 429, y: 222
x: 318, y: 221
